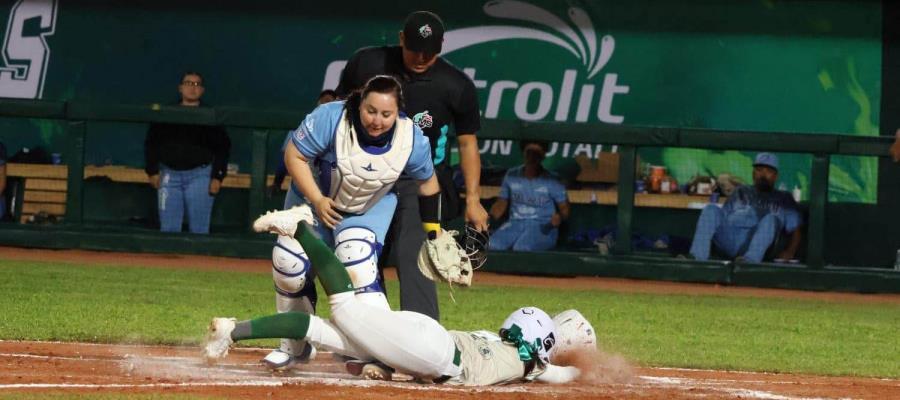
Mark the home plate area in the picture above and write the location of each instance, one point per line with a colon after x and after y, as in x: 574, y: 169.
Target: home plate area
x: 52, y: 367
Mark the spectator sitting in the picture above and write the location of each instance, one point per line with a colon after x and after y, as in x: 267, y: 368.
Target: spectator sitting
x: 186, y: 164
x: 751, y: 220
x: 537, y: 202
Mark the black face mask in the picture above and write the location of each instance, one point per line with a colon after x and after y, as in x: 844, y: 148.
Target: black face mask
x: 365, y: 139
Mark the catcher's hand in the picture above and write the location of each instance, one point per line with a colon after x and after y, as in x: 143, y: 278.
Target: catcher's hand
x: 442, y: 259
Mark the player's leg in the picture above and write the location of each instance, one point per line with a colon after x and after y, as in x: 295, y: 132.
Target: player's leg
x: 762, y: 237
x: 709, y: 222
x: 536, y: 236
x: 410, y: 342
x: 295, y: 290
x: 358, y: 241
x: 198, y: 201
x: 505, y: 236
x: 417, y: 293
x: 170, y: 197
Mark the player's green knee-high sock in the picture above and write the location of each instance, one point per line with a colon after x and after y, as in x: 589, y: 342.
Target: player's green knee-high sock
x: 330, y: 270
x: 292, y: 325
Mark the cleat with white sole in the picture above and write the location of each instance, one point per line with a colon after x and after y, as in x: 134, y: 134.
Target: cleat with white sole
x: 284, y: 222
x: 218, y: 339
x: 279, y: 360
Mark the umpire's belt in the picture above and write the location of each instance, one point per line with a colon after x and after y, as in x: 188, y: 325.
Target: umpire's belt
x: 457, y: 359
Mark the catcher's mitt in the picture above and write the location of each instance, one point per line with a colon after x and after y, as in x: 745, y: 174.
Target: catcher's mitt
x: 442, y: 259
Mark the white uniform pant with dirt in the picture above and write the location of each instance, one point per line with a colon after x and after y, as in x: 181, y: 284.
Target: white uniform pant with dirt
x: 410, y: 342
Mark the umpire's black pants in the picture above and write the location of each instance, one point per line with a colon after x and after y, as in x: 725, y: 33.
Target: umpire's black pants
x: 404, y: 238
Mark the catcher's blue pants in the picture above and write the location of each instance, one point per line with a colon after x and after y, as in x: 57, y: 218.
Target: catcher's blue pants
x: 185, y: 192
x: 376, y: 219
x: 731, y: 240
x: 524, y: 235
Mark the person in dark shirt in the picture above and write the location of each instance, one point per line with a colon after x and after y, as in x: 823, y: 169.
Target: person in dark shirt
x: 438, y: 95
x: 186, y: 164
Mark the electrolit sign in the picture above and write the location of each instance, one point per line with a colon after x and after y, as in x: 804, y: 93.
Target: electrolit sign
x: 572, y: 88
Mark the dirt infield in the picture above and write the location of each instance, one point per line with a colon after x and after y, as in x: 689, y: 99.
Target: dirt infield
x: 42, y: 367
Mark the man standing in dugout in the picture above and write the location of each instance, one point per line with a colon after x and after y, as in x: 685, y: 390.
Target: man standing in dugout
x: 437, y: 95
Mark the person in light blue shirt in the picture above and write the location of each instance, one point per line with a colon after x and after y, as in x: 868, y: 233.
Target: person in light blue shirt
x: 752, y: 218
x: 536, y: 201
x: 344, y: 159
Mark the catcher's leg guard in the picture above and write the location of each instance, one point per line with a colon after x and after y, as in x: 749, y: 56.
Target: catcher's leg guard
x: 357, y: 248
x: 289, y: 269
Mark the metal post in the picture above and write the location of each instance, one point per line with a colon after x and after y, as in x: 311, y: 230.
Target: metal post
x: 818, y: 199
x: 256, y: 197
x: 627, y: 159
x: 75, y: 163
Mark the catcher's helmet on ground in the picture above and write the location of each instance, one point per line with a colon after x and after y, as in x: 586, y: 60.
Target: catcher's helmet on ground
x: 574, y: 333
x: 531, y: 326
x: 475, y: 243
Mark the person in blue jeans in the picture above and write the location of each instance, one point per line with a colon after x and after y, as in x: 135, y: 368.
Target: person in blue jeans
x: 186, y: 164
x: 749, y: 222
x: 536, y: 201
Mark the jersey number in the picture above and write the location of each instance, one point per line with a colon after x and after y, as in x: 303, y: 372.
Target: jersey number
x: 25, y: 52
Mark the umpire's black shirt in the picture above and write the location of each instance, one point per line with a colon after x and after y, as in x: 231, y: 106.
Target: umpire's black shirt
x: 441, y: 96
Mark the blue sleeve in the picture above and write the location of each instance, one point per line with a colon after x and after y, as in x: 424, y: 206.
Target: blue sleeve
x: 287, y: 139
x: 419, y: 165
x: 558, y: 192
x: 315, y: 135
x: 504, y: 187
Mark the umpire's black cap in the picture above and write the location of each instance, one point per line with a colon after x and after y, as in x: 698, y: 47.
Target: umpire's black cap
x: 423, y: 32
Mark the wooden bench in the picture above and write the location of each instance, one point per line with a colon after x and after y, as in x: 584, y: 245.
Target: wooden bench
x: 45, y: 188
x: 45, y: 184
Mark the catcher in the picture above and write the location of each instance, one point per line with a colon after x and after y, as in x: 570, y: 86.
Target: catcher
x: 344, y: 158
x: 409, y: 342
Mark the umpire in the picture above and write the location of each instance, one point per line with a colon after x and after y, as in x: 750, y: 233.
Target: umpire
x: 437, y: 95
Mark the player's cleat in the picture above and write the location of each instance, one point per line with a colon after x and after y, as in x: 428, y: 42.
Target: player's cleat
x: 218, y: 339
x: 279, y: 360
x: 371, y: 370
x: 284, y: 222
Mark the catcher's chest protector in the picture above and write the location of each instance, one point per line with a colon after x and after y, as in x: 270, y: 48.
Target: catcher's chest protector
x: 360, y: 178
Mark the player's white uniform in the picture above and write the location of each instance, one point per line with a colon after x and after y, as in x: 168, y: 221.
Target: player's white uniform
x: 488, y: 361
x: 417, y: 345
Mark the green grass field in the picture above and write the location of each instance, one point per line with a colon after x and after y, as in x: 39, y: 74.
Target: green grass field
x: 72, y: 302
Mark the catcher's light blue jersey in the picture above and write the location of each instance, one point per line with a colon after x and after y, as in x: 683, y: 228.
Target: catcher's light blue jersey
x: 314, y: 138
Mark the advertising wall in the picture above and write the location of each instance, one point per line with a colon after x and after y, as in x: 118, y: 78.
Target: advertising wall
x: 784, y: 66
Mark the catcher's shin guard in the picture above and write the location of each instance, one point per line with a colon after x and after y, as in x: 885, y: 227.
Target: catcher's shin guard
x: 289, y: 269
x: 357, y: 249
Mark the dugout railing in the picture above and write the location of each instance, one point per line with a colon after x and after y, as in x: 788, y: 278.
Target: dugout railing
x: 814, y: 274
